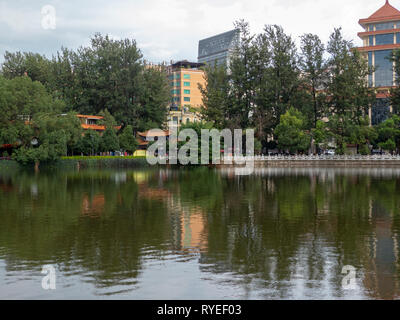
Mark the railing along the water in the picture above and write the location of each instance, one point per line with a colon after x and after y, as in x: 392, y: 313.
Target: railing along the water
x: 313, y: 158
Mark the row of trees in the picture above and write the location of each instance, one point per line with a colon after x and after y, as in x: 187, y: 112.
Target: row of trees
x: 33, y: 122
x: 108, y: 74
x: 289, y: 94
x: 292, y: 135
x: 109, y: 77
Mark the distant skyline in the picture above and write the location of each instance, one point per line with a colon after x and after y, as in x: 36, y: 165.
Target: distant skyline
x: 170, y: 29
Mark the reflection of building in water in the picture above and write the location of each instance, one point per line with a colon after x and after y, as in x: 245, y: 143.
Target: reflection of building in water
x: 381, y: 279
x: 193, y: 229
x: 6, y: 185
x: 93, y: 207
x: 188, y: 221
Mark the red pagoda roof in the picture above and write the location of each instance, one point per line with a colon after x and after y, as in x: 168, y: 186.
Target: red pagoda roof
x: 385, y: 13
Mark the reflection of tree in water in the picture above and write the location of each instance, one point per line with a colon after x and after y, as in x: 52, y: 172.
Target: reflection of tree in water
x: 80, y: 221
x: 280, y: 230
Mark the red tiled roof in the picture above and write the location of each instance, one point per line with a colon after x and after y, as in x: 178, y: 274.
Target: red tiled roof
x: 97, y: 127
x: 154, y: 133
x: 385, y: 13
x: 93, y: 127
x: 89, y: 117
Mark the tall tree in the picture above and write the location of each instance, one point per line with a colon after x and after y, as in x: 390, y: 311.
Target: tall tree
x: 314, y: 74
x: 216, y: 96
x: 348, y: 94
x: 127, y: 140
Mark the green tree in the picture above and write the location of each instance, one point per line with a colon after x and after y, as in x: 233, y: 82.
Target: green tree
x: 314, y: 71
x: 89, y: 143
x: 109, y: 141
x: 127, y: 140
x: 27, y: 112
x: 34, y: 65
x: 216, y: 96
x: 361, y: 134
x: 321, y: 135
x: 290, y: 132
x: 349, y: 96
x: 388, y: 134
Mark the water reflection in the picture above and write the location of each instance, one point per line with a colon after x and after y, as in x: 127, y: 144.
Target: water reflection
x: 201, y: 233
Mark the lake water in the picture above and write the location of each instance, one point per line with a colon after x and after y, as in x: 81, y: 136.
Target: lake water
x: 200, y: 234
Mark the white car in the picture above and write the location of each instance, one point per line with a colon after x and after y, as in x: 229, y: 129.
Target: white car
x: 330, y: 152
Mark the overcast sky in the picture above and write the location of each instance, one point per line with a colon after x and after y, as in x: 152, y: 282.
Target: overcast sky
x: 170, y: 29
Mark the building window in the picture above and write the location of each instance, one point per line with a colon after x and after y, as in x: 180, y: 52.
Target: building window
x: 371, y: 41
x: 381, y: 39
x: 384, y: 26
x: 186, y: 99
x: 380, y: 111
x: 186, y: 84
x: 186, y: 91
x: 186, y: 76
x: 397, y: 37
x: 384, y: 69
x: 176, y: 99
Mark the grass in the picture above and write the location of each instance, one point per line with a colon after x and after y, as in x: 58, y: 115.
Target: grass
x: 103, y: 161
x: 101, y: 157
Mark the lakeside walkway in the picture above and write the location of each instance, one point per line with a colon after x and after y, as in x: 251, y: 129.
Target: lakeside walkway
x: 316, y: 160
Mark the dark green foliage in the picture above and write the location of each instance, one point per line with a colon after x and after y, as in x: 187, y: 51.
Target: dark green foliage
x: 109, y: 141
x: 127, y: 140
x: 89, y: 143
x: 291, y: 134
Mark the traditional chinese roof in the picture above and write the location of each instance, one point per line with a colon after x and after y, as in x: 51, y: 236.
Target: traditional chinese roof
x: 385, y: 13
x: 154, y: 133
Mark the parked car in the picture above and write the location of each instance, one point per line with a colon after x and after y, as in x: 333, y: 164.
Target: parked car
x: 330, y: 152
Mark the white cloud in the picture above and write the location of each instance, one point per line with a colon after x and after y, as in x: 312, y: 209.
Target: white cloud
x: 171, y: 29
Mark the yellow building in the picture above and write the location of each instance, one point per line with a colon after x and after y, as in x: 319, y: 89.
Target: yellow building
x: 185, y: 78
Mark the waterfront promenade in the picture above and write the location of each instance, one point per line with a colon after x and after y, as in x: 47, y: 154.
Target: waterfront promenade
x: 316, y: 160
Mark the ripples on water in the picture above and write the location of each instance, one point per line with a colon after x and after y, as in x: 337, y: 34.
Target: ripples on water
x: 281, y: 233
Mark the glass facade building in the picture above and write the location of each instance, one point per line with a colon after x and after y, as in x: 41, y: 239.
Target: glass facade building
x: 380, y: 37
x: 384, y: 69
x: 218, y: 49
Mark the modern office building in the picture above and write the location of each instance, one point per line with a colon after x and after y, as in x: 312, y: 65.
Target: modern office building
x: 185, y: 78
x: 380, y: 37
x: 218, y: 49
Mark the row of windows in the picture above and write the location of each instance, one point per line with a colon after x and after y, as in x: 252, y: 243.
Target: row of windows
x: 383, y: 26
x: 178, y: 84
x: 384, y: 68
x: 177, y: 91
x: 381, y: 39
x: 176, y: 76
x: 177, y: 99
